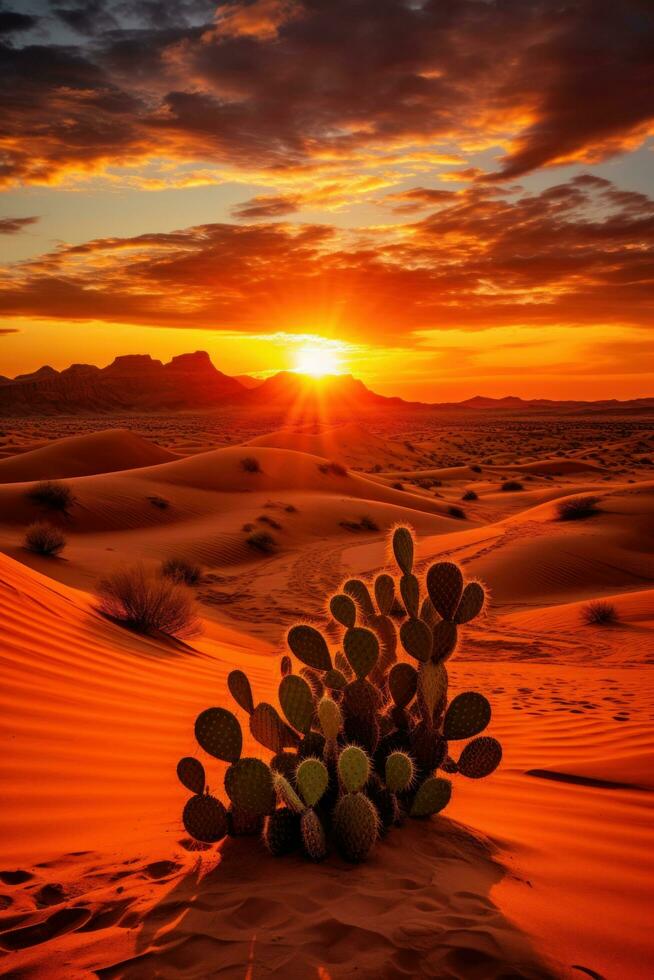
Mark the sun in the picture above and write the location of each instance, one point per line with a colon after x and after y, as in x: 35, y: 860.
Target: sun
x: 316, y: 361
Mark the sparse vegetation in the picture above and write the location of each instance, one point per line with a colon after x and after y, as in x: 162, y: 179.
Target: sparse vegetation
x: 159, y: 502
x: 365, y: 523
x: 470, y: 495
x: 333, y: 467
x: 270, y: 521
x: 251, y: 464
x: 397, y: 485
x: 456, y: 512
x: 599, y: 613
x: 290, y: 509
x: 44, y: 539
x: 577, y: 508
x: 512, y: 486
x: 475, y: 468
x: 262, y: 541
x: 52, y: 494
x: 181, y: 570
x: 148, y: 603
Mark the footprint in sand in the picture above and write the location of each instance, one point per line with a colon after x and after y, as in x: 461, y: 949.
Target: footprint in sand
x: 58, y: 924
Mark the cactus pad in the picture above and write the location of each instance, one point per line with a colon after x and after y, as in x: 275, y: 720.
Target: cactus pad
x: 334, y: 680
x: 358, y: 591
x: 361, y: 649
x: 330, y: 718
x: 190, y: 773
x: 431, y: 797
x: 284, y: 763
x: 467, y: 715
x: 445, y: 585
x: 309, y: 646
x: 243, y: 823
x: 480, y: 757
x: 249, y: 785
x: 410, y: 592
x: 312, y: 780
x: 399, y: 771
x: 353, y: 768
x: 472, y: 603
x: 403, y: 549
x: 416, y: 639
x: 432, y: 685
x: 281, y: 832
x: 427, y: 612
x: 285, y: 665
x: 428, y: 748
x: 296, y: 699
x: 219, y: 733
x: 403, y: 684
x: 356, y: 826
x: 313, y: 744
x: 384, y: 593
x: 314, y: 840
x: 240, y: 690
x: 444, y: 638
x: 287, y: 794
x: 269, y: 729
x: 205, y: 819
x: 343, y: 609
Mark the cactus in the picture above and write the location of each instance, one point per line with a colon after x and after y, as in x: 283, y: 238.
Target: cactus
x: 240, y: 690
x: 358, y: 731
x: 281, y: 832
x: 205, y: 818
x: 190, y: 773
x: 296, y: 699
x: 468, y: 714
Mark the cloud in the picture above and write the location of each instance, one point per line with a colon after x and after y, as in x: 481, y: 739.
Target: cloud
x: 580, y: 253
x: 13, y: 22
x: 290, y: 86
x: 12, y: 226
x: 266, y: 206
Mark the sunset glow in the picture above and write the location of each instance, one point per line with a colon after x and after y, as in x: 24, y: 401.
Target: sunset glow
x: 317, y: 361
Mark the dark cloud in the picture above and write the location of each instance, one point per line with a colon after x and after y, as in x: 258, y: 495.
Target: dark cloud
x: 13, y: 22
x: 12, y: 226
x: 266, y: 206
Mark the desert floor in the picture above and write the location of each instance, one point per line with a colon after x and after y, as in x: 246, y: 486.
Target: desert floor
x: 543, y: 870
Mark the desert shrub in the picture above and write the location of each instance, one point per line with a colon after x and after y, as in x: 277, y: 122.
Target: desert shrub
x: 457, y: 512
x: 470, y: 495
x: 510, y: 486
x: 159, y: 502
x: 365, y: 523
x: 397, y: 485
x: 181, y: 570
x: 599, y: 613
x: 577, y: 508
x: 341, y: 778
x: 290, y: 509
x: 52, y: 494
x: 262, y: 541
x: 333, y: 467
x: 251, y: 465
x: 147, y: 603
x: 44, y: 539
x: 475, y: 468
x: 270, y: 521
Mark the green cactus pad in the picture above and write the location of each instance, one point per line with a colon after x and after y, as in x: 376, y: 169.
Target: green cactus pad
x: 356, y: 826
x: 384, y: 593
x: 471, y: 604
x: 312, y: 780
x: 361, y: 649
x: 431, y: 797
x: 281, y: 832
x: 445, y: 638
x: 343, y: 609
x: 243, y: 823
x: 309, y: 646
x: 190, y: 773
x: 330, y: 718
x: 403, y: 549
x: 249, y: 785
x: 284, y: 763
x: 410, y: 592
x: 240, y: 690
x: 219, y: 733
x: 432, y: 685
x: 445, y: 585
x: 416, y: 638
x: 358, y: 591
x: 467, y: 715
x: 285, y: 665
x: 296, y: 699
x: 205, y: 819
x: 287, y: 794
x: 399, y: 772
x: 480, y: 757
x: 334, y: 680
x: 314, y: 840
x: 403, y: 684
x: 269, y: 729
x: 353, y: 768
x: 427, y: 612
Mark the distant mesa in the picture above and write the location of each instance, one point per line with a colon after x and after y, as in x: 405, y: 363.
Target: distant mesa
x: 191, y: 382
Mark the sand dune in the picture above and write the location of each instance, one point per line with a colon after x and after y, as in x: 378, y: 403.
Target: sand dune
x: 350, y: 443
x: 95, y: 452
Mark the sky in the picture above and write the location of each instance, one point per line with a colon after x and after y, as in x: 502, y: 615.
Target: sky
x: 442, y: 197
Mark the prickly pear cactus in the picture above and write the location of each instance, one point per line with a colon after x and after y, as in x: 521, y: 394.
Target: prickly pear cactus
x: 363, y: 736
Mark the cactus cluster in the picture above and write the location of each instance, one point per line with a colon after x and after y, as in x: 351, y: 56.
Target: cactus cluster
x: 366, y: 736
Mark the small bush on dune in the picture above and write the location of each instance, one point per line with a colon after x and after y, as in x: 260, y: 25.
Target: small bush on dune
x: 44, y: 539
x: 577, y: 509
x: 159, y: 502
x: 333, y: 467
x: 251, y: 465
x: 365, y: 523
x: 457, y: 512
x: 182, y: 571
x: 510, y: 486
x: 398, y: 486
x: 52, y: 494
x: 147, y: 602
x: 470, y: 495
x: 476, y: 468
x: 262, y: 541
x: 599, y: 613
x: 270, y: 521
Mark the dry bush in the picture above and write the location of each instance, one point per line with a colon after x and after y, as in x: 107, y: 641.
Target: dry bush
x: 470, y: 495
x: 509, y: 486
x: 333, y: 467
x: 251, y: 465
x: 457, y: 512
x: 159, y: 502
x: 52, y: 494
x: 577, y: 509
x: 148, y: 603
x: 600, y: 613
x: 182, y: 571
x: 44, y: 539
x: 262, y: 541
